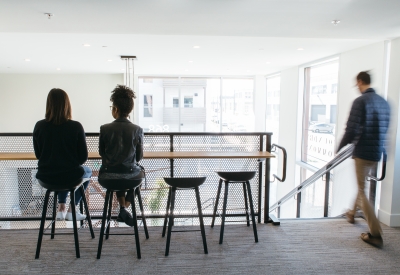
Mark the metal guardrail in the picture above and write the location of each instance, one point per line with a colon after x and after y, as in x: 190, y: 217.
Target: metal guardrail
x: 21, y: 197
x: 342, y: 156
x: 321, y: 172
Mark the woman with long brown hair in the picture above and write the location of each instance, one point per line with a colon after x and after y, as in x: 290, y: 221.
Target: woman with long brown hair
x: 60, y: 146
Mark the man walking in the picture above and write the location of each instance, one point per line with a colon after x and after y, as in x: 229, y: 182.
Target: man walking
x: 366, y: 128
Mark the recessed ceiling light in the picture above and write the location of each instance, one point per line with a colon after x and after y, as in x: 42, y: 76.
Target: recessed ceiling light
x: 49, y: 15
x: 109, y: 60
x: 27, y: 59
x: 190, y: 61
x: 335, y: 22
x: 267, y: 62
x: 58, y: 69
x: 86, y: 45
x: 300, y: 49
x: 186, y: 70
x: 248, y: 71
x: 196, y: 47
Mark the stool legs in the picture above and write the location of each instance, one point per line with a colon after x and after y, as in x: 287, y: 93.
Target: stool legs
x: 108, y: 220
x: 166, y: 212
x: 246, y: 204
x: 253, y: 218
x: 43, y: 220
x: 53, y: 225
x: 221, y: 235
x: 203, y: 232
x: 89, y: 220
x: 72, y: 195
x: 135, y: 227
x: 170, y: 220
x: 142, y: 211
x: 103, y: 223
x: 216, y: 202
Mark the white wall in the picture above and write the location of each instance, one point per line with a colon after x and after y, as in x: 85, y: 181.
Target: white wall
x: 389, y: 210
x: 287, y: 135
x: 23, y: 98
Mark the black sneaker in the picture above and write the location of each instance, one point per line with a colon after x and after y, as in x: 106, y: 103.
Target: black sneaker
x: 125, y: 216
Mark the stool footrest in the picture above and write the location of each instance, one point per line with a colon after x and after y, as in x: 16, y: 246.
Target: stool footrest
x: 185, y: 230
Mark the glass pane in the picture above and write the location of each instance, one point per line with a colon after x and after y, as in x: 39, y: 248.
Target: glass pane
x: 237, y: 105
x: 312, y: 197
x: 319, y: 117
x: 272, y: 109
x: 156, y: 104
x: 192, y: 108
x: 213, y: 100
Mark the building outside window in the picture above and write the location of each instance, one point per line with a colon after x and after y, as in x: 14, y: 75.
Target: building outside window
x: 272, y: 122
x: 319, y: 113
x: 272, y: 109
x: 197, y: 104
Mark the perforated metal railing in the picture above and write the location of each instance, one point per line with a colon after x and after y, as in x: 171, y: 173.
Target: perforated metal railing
x: 21, y: 197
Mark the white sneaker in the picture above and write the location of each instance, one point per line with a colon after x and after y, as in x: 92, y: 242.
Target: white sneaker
x: 79, y: 216
x: 61, y: 216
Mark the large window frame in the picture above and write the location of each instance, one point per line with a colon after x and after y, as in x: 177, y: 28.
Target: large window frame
x: 217, y: 107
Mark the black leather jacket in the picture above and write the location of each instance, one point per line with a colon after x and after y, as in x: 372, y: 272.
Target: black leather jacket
x: 120, y: 147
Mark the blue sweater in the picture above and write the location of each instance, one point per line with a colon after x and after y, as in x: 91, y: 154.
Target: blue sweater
x: 367, y: 126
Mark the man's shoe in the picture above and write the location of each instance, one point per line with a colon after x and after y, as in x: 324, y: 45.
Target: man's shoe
x: 125, y: 216
x: 79, y: 216
x: 376, y: 241
x: 61, y: 216
x: 349, y: 217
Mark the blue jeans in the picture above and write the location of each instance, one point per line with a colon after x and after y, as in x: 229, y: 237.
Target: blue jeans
x: 62, y: 196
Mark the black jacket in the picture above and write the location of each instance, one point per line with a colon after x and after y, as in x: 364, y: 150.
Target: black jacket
x: 61, y: 150
x: 367, y: 126
x: 120, y: 147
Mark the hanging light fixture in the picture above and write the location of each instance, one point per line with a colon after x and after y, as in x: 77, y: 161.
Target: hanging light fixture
x: 129, y: 70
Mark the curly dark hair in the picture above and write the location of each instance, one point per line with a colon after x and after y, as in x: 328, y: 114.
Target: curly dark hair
x: 122, y: 98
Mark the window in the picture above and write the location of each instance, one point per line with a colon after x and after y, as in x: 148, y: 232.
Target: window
x: 272, y: 110
x: 148, y: 106
x: 196, y: 104
x: 319, y: 113
x: 175, y: 102
x: 188, y: 102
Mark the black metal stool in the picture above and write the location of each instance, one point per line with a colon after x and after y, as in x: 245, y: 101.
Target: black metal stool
x: 121, y: 185
x: 182, y: 183
x: 235, y: 177
x: 71, y: 187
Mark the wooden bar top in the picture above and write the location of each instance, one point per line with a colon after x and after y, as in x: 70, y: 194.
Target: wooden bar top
x: 160, y: 155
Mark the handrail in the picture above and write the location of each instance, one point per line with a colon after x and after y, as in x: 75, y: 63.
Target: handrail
x: 383, y: 174
x: 284, y: 162
x: 339, y: 158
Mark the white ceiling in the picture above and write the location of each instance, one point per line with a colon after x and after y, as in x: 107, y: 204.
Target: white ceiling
x: 236, y: 37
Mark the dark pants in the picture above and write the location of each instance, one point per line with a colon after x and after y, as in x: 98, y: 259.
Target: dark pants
x: 62, y: 196
x: 129, y: 194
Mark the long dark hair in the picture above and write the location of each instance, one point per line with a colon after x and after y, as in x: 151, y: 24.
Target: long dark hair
x: 58, y: 107
x: 122, y: 98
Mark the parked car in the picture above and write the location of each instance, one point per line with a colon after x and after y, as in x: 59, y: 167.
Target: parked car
x: 321, y: 127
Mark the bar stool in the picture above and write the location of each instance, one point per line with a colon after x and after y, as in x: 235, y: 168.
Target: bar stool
x: 235, y: 177
x: 71, y: 187
x: 121, y: 185
x: 182, y: 183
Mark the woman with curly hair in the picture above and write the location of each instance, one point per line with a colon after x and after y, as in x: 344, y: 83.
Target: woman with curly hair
x: 121, y: 147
